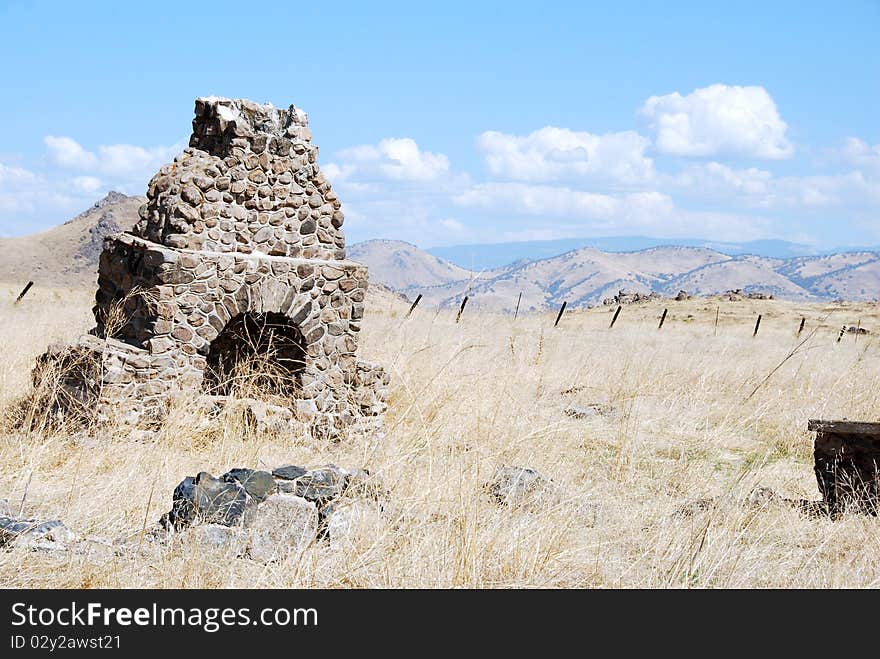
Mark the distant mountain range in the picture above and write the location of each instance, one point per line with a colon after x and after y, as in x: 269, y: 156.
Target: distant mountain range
x: 495, y: 255
x: 585, y: 276
x: 582, y: 275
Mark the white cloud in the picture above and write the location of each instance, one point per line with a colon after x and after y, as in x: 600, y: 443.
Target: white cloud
x: 396, y: 159
x: 859, y: 153
x: 583, y: 213
x: 11, y: 174
x: 714, y: 179
x: 117, y: 160
x: 86, y: 183
x: 16, y: 188
x: 719, y: 120
x: 71, y: 179
x: 552, y: 153
x: 521, y: 198
x: 123, y: 159
x: 758, y: 188
x: 67, y: 152
x: 28, y: 199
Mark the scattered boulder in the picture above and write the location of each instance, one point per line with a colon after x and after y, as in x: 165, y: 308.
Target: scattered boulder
x: 33, y: 534
x: 629, y: 296
x: 514, y: 486
x: 855, y: 329
x: 737, y: 294
x: 682, y: 296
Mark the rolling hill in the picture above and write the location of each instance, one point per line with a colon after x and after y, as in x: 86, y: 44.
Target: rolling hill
x: 66, y: 256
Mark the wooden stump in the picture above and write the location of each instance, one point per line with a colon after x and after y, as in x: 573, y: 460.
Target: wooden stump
x: 847, y: 465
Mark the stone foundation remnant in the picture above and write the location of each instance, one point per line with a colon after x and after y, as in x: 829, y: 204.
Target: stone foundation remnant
x: 261, y: 514
x: 239, y: 252
x: 847, y: 465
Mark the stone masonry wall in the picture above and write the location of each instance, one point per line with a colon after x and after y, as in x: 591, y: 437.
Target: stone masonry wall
x: 249, y: 182
x: 241, y: 224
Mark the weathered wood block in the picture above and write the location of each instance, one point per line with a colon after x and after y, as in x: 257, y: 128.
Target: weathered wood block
x: 847, y: 465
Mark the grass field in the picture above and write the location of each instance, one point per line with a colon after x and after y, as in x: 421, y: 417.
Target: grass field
x: 486, y: 392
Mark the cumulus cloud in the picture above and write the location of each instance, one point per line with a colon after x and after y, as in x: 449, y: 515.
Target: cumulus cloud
x: 714, y: 179
x: 67, y: 152
x: 758, y: 188
x: 28, y: 197
x: 719, y: 120
x: 86, y: 183
x: 71, y: 178
x: 859, y: 153
x: 17, y: 186
x: 521, y: 198
x: 586, y: 213
x: 553, y: 153
x: 115, y: 159
x: 394, y: 158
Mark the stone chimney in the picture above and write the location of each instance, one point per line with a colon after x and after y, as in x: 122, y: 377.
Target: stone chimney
x: 239, y: 252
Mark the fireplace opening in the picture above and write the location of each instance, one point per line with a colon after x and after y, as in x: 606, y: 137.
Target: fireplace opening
x: 256, y: 353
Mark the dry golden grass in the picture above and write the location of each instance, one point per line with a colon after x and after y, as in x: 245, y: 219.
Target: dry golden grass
x: 469, y: 397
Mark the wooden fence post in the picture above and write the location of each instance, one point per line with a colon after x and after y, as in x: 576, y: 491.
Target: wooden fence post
x: 801, y: 328
x: 559, y: 315
x: 662, y: 319
x: 414, y: 305
x: 461, y: 309
x: 757, y: 326
x: 717, y: 312
x: 518, y: 300
x: 24, y: 292
x: 616, y: 314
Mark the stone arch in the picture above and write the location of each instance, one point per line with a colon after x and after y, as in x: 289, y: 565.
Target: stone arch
x: 264, y: 351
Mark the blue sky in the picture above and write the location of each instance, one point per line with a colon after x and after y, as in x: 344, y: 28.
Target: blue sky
x: 472, y: 122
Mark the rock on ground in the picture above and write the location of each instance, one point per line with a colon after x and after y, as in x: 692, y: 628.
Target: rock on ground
x: 284, y: 522
x: 517, y: 485
x: 33, y: 534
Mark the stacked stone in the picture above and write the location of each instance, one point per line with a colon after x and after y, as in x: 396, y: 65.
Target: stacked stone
x: 261, y: 514
x: 108, y: 379
x: 248, y: 183
x: 242, y: 223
